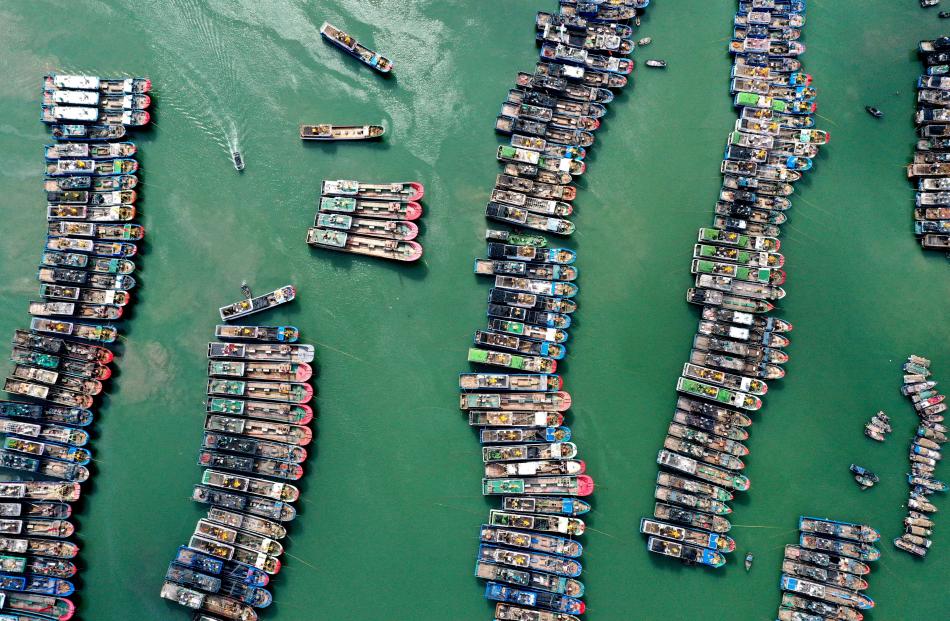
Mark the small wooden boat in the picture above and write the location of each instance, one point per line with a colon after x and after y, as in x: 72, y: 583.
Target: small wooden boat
x: 352, y: 47
x: 260, y: 303
x: 341, y: 132
x: 370, y: 246
x: 401, y: 230
x: 390, y: 210
x: 655, y: 63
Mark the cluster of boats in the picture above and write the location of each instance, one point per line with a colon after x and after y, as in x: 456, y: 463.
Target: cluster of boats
x: 738, y: 348
x: 528, y: 551
x: 924, y: 455
x: 930, y: 168
x: 373, y: 219
x: 85, y: 107
x: 60, y: 363
x: 824, y: 575
x: 255, y: 431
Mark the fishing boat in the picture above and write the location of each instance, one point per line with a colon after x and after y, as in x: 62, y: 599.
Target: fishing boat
x: 358, y: 244
x: 352, y: 47
x: 713, y: 441
x: 700, y: 538
x: 562, y: 88
x: 282, y: 352
x: 277, y: 334
x: 523, y: 217
x: 705, y: 521
x: 113, y: 213
x: 67, y: 167
x: 834, y: 595
x: 588, y: 78
x: 795, y: 606
x: 762, y: 275
x: 531, y: 254
x: 688, y: 554
x: 386, y: 229
x: 575, y: 22
x: 483, y: 418
x: 503, y: 381
x: 536, y: 188
x: 550, y: 601
x: 542, y: 504
x: 225, y: 569
x: 87, y: 133
x: 720, y: 395
x: 535, y: 560
x: 215, y: 604
x: 537, y: 333
x: 56, y: 114
x: 41, y: 490
x: 280, y: 412
x: 542, y: 523
x: 537, y: 301
x: 554, y: 486
x: 276, y: 371
x: 825, y: 576
x: 45, y: 467
x: 536, y: 542
x: 703, y: 453
x: 269, y: 508
x: 68, y: 349
x: 390, y: 210
x: 402, y: 191
x: 53, y: 81
x: 261, y: 430
x: 527, y: 316
x: 587, y: 39
x: 755, y: 337
x: 550, y: 583
x: 71, y: 454
x: 269, y: 391
x: 712, y: 297
x: 536, y: 401
x: 860, y: 551
x: 838, y: 529
x: 526, y: 434
x: 263, y: 449
x: 341, y: 132
x: 690, y: 501
x: 711, y: 474
x: 30, y: 604
x: 562, y: 53
x: 260, y: 303
x: 826, y: 560
x: 756, y: 323
x: 105, y: 151
x: 99, y: 248
x: 728, y: 380
x: 710, y: 425
x: 252, y: 541
x: 532, y: 203
x: 94, y: 184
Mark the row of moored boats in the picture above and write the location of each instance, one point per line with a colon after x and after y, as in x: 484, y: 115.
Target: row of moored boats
x: 255, y: 430
x: 60, y: 363
x: 529, y: 555
x: 930, y: 167
x: 824, y: 575
x: 738, y: 348
x: 373, y: 219
x: 924, y: 455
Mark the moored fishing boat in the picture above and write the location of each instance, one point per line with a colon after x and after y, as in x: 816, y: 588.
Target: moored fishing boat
x: 547, y: 544
x: 792, y: 603
x: 688, y: 465
x: 279, y: 334
x: 56, y: 114
x: 528, y: 331
x: 262, y: 430
x: 546, y: 401
x: 93, y: 184
x: 719, y: 395
x: 728, y: 380
x: 691, y: 501
x: 835, y: 528
x: 536, y: 522
x: 705, y: 521
x: 67, y: 167
x: 255, y: 305
x: 827, y: 560
x: 687, y: 554
x: 559, y: 603
x: 826, y: 576
x: 215, y: 604
x: 554, y: 486
x: 87, y: 133
x: 401, y: 230
x: 834, y: 595
x: 399, y: 191
x: 282, y: 352
x: 390, y: 210
x: 542, y: 504
x: 713, y: 297
x: 860, y: 551
x: 358, y: 244
x: 503, y: 381
x: 82, y: 150
x: 693, y: 486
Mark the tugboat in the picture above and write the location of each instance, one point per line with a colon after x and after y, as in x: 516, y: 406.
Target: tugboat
x: 238, y: 160
x: 748, y: 561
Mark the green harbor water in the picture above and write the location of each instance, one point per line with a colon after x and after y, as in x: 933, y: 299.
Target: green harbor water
x: 391, y: 504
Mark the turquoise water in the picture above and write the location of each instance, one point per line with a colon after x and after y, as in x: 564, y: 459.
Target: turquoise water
x: 388, y: 524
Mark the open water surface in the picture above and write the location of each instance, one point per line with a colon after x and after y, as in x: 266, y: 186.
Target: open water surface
x: 391, y: 505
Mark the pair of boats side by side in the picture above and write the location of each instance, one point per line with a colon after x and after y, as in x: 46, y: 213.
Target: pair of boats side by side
x: 930, y: 166
x: 373, y: 219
